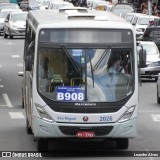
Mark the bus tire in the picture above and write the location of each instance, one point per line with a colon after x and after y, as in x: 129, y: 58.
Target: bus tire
x: 22, y: 99
x: 10, y: 36
x: 156, y: 79
x: 122, y: 143
x: 28, y: 129
x: 22, y: 103
x: 4, y: 34
x: 42, y: 145
x: 158, y: 98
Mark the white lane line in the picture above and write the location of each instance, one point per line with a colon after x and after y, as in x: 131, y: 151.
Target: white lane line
x: 19, y: 65
x: 9, y: 43
x: 15, y: 56
x: 155, y: 117
x: 0, y: 66
x: 16, y: 115
x: 154, y: 111
x: 8, y: 102
x: 1, y: 86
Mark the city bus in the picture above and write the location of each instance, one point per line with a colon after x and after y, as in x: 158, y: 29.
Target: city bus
x: 80, y: 77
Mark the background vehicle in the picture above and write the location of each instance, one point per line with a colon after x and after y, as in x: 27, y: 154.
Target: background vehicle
x: 34, y: 4
x: 121, y: 9
x: 68, y: 91
x: 141, y: 22
x: 9, y: 6
x: 2, y: 18
x: 152, y: 33
x: 15, y: 24
x: 3, y: 15
x: 151, y: 71
x: 152, y: 52
x: 97, y: 3
x: 45, y: 3
x: 57, y: 5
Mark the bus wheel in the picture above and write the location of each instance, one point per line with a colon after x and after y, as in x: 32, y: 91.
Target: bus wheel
x: 158, y: 98
x: 156, y: 79
x: 10, y: 36
x: 22, y: 103
x: 42, y: 144
x: 122, y: 143
x: 4, y: 35
x: 28, y: 129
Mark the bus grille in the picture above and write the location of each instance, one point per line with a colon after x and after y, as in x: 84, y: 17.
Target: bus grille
x: 99, y: 131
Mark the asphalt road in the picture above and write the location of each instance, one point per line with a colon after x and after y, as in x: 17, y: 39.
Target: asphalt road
x: 13, y: 136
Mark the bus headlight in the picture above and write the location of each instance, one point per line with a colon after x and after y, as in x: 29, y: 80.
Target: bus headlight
x: 127, y: 115
x: 43, y: 114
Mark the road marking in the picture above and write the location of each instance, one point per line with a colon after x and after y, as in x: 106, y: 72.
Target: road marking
x: 19, y: 65
x: 0, y: 66
x: 15, y: 56
x: 9, y: 43
x: 8, y: 102
x: 149, y: 111
x: 1, y: 86
x: 2, y: 105
x: 16, y: 115
x: 156, y: 117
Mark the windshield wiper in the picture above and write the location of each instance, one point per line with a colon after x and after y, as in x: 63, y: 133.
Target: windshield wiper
x: 70, y: 58
x: 91, y: 70
x: 102, y: 57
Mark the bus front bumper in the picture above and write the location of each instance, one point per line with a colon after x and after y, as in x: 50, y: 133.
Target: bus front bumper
x: 44, y: 129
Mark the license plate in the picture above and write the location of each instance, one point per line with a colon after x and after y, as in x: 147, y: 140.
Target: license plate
x: 85, y: 134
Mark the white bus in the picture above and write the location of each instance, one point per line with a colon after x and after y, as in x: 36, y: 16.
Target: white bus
x: 72, y: 89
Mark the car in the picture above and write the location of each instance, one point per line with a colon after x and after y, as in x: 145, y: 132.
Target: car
x: 3, y: 15
x: 152, y: 52
x: 34, y: 4
x: 57, y: 5
x: 151, y: 71
x: 15, y: 24
x: 90, y: 2
x: 152, y: 33
x: 121, y: 9
x: 141, y: 22
x: 9, y: 6
x: 44, y: 4
x: 97, y: 3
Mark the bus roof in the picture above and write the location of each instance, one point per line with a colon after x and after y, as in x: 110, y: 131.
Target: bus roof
x: 92, y: 19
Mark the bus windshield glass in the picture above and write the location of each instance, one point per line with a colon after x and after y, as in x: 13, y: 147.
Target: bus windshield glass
x: 94, y: 74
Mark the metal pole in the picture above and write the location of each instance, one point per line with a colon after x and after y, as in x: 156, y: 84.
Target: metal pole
x: 150, y: 7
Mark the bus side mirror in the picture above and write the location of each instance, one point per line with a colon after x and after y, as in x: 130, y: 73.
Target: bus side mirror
x: 142, y: 58
x: 28, y: 63
x: 29, y: 57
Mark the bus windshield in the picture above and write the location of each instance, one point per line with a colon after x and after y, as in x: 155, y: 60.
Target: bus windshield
x: 94, y: 74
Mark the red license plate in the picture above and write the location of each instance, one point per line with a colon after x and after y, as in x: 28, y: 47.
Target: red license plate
x: 85, y: 134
